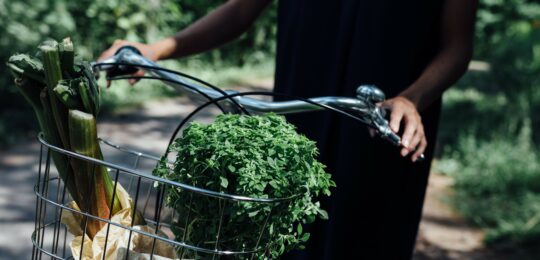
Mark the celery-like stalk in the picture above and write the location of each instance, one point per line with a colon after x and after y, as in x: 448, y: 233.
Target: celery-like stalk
x: 29, y: 79
x: 53, y: 74
x: 66, y: 110
x: 86, y: 97
x: 51, y: 135
x: 31, y: 92
x: 91, y: 87
x: 67, y: 56
x: 82, y: 127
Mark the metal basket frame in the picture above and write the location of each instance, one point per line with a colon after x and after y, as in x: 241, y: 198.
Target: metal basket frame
x: 45, y: 222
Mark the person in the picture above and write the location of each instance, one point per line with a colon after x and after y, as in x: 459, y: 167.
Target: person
x: 412, y: 50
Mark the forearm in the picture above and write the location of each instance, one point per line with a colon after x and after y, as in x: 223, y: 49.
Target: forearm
x: 443, y: 71
x: 452, y: 59
x: 218, y: 27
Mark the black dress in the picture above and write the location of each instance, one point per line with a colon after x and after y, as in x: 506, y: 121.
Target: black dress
x: 329, y: 48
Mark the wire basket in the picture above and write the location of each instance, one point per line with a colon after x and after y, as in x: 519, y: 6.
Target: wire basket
x: 51, y: 237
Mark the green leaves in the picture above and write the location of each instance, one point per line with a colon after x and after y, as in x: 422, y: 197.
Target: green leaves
x: 23, y: 65
x: 254, y: 156
x: 224, y: 182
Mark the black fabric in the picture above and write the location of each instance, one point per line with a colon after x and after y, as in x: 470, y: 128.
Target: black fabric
x: 329, y: 48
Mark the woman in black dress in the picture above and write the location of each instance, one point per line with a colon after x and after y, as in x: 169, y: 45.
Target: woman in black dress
x: 412, y: 50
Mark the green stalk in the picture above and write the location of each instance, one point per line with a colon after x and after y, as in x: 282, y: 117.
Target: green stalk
x: 108, y: 184
x: 66, y: 111
x: 83, y: 133
x: 82, y: 127
x: 91, y: 87
x: 30, y: 90
x: 86, y: 96
x: 67, y: 56
x: 51, y: 136
x: 30, y: 81
x: 53, y: 74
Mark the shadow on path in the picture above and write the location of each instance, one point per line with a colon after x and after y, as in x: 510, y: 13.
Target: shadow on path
x: 146, y: 129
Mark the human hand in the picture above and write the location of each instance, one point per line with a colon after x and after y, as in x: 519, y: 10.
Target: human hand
x: 404, y: 112
x: 147, y: 50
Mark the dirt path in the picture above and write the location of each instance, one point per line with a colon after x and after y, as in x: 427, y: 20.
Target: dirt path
x: 147, y: 129
x: 443, y: 233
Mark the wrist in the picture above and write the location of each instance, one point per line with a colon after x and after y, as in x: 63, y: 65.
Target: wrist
x: 412, y: 96
x: 163, y: 49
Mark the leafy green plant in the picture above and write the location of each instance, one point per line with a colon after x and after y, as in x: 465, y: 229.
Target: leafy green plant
x: 497, y: 187
x: 254, y: 156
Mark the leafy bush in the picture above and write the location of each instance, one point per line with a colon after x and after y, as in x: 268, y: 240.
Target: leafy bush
x: 497, y: 186
x: 490, y: 125
x: 254, y: 156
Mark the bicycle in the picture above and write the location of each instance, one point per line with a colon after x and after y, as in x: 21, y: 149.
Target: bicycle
x: 51, y: 235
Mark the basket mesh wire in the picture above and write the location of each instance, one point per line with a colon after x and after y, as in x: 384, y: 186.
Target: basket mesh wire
x: 51, y: 238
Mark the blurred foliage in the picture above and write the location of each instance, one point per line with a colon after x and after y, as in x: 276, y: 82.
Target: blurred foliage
x: 490, y: 131
x: 95, y: 24
x: 123, y: 96
x: 497, y: 187
x: 501, y: 100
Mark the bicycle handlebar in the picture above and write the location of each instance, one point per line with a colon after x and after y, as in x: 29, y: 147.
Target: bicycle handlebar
x: 363, y: 106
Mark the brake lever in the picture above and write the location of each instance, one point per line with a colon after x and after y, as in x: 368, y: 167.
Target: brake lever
x: 376, y: 115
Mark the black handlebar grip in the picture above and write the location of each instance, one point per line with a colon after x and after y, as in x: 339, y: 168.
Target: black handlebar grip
x: 120, y: 70
x: 128, y: 47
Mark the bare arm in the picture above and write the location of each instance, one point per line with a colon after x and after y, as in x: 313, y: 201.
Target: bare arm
x: 448, y: 65
x: 220, y: 26
x: 451, y: 62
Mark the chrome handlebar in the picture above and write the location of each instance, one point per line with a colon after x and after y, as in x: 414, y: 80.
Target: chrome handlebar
x: 363, y: 106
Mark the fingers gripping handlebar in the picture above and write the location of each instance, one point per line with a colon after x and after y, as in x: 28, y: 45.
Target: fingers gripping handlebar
x: 372, y: 95
x: 364, y: 107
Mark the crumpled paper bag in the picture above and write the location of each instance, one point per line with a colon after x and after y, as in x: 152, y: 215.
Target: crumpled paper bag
x: 140, y: 245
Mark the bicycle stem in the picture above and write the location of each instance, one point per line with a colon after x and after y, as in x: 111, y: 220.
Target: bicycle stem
x: 364, y: 106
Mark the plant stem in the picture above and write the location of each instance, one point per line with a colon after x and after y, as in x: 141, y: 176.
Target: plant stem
x: 67, y: 57
x: 60, y: 160
x: 53, y: 74
x: 82, y: 127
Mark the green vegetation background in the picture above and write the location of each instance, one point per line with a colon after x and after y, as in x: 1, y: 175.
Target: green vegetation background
x: 490, y: 129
